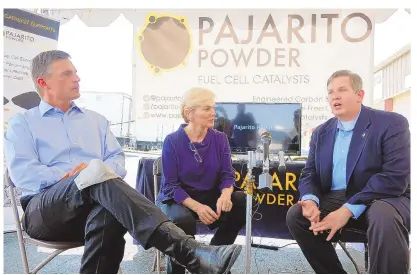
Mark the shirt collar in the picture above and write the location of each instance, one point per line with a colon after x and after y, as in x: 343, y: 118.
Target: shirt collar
x: 45, y: 107
x: 348, y: 125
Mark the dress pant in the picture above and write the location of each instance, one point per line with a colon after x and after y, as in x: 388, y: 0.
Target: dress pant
x: 99, y: 216
x: 387, y: 236
x: 228, y: 225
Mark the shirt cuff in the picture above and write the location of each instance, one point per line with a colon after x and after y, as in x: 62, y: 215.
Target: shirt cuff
x: 311, y: 197
x: 226, y: 184
x: 180, y: 195
x: 356, y: 209
x: 117, y: 168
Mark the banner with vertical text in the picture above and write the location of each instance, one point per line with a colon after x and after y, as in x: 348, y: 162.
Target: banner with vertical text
x: 25, y: 35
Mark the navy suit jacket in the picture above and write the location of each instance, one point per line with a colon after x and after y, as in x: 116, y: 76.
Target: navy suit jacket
x: 378, y: 162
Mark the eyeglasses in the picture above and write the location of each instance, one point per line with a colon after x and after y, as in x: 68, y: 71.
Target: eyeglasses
x: 196, y: 154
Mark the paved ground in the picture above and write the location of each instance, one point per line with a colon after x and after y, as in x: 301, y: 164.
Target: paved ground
x: 139, y: 261
x: 288, y: 259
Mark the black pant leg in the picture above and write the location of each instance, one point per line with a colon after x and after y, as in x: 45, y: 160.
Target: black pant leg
x: 58, y: 213
x: 62, y: 212
x: 230, y: 223
x: 104, y: 243
x: 185, y: 219
x: 388, y: 240
x: 319, y: 253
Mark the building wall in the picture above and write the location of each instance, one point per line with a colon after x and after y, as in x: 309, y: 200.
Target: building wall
x: 392, y: 91
x: 379, y: 105
x: 390, y: 75
x: 402, y: 104
x: 116, y: 107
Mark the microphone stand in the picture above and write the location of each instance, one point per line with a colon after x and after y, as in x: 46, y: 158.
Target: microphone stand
x: 249, y: 193
x: 265, y: 181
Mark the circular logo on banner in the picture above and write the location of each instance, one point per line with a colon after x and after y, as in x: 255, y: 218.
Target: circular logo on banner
x: 164, y: 42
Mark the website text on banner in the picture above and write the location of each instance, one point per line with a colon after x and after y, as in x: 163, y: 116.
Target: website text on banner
x: 279, y: 56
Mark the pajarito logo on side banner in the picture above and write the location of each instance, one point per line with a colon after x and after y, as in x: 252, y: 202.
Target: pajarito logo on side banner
x: 16, y: 36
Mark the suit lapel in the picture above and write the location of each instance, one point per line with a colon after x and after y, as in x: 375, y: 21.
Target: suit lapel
x: 326, y: 153
x: 359, y: 137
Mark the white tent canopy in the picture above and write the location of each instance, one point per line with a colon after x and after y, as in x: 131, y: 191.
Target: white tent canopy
x: 104, y: 17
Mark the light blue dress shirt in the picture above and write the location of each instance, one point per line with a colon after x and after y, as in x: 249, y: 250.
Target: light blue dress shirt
x: 340, y: 152
x: 44, y: 143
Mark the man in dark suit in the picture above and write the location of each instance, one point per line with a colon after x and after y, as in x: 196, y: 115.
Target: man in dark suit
x: 357, y: 176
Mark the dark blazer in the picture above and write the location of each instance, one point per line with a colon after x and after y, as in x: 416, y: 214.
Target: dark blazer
x: 378, y: 162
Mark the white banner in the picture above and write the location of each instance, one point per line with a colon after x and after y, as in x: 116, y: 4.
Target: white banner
x: 25, y: 35
x: 278, y: 56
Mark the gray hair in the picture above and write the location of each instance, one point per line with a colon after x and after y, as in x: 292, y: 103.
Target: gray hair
x: 41, y: 62
x: 355, y: 79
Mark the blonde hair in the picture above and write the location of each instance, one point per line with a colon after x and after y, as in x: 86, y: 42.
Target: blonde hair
x: 195, y: 97
x: 355, y: 79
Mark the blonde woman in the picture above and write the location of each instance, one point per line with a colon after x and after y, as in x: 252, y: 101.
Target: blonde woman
x: 198, y: 176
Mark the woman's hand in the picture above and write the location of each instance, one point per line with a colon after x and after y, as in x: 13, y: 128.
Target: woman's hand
x: 224, y: 203
x: 206, y: 214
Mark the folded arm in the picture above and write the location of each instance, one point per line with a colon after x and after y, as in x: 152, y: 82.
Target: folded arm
x: 113, y: 153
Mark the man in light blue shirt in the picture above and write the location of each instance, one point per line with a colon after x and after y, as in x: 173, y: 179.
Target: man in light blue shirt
x: 48, y: 146
x: 357, y: 176
x: 65, y: 140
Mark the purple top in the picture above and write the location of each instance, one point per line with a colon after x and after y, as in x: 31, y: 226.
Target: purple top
x: 183, y: 176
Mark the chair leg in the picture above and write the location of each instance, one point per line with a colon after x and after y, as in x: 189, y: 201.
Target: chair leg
x: 47, y: 260
x: 157, y: 262
x: 409, y: 261
x: 19, y: 230
x: 366, y: 257
x: 343, y: 246
x: 23, y: 252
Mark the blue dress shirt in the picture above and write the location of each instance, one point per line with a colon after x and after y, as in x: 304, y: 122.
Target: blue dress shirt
x: 44, y: 143
x: 341, y: 148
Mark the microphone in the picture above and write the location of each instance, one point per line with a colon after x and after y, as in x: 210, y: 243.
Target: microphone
x: 265, y: 179
x: 266, y: 141
x: 281, y: 168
